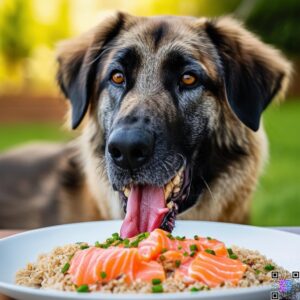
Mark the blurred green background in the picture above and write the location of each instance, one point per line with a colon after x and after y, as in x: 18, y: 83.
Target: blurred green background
x: 31, y: 107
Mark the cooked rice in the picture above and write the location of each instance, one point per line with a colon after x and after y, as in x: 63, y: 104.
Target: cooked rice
x: 46, y: 273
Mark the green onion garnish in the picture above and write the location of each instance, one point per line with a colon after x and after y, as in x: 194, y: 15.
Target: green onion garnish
x: 177, y: 263
x: 82, y: 247
x: 170, y: 236
x: 194, y: 289
x: 192, y: 254
x: 163, y: 250
x: 116, y: 236
x: 162, y: 257
x: 196, y: 237
x: 210, y: 251
x: 83, y: 289
x: 230, y: 252
x: 233, y: 256
x: 156, y: 281
x: 65, y: 268
x: 180, y: 238
x: 179, y: 247
x: 209, y: 238
x: 269, y: 267
x: 103, y: 275
x: 193, y: 247
x: 157, y: 288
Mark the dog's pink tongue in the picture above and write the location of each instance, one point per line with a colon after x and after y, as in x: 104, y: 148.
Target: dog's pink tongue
x: 145, y: 210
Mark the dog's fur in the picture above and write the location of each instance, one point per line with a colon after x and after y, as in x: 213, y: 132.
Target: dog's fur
x: 218, y: 123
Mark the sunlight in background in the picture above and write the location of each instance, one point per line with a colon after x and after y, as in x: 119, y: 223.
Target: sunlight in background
x: 30, y: 29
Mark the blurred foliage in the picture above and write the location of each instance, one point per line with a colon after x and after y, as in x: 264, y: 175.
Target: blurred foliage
x: 29, y: 29
x: 278, y: 22
x: 15, y: 31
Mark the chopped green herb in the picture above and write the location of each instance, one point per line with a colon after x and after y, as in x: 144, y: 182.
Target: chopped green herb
x: 126, y: 242
x: 157, y: 288
x: 156, y: 281
x: 194, y: 289
x: 103, y: 275
x: 83, y: 289
x: 179, y: 247
x: 170, y: 236
x: 192, y: 254
x: 209, y: 238
x: 163, y: 250
x: 193, y: 247
x: 196, y: 237
x: 97, y: 244
x: 269, y: 267
x: 233, y: 256
x: 162, y: 257
x: 82, y: 247
x: 117, y: 243
x: 180, y: 238
x: 177, y: 263
x: 230, y: 252
x: 257, y: 271
x: 65, y: 268
x: 185, y: 253
x: 210, y: 251
x: 134, y: 244
x: 115, y: 235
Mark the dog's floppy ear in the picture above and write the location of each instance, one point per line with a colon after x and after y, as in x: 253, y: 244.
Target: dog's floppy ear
x: 78, y: 59
x: 253, y: 72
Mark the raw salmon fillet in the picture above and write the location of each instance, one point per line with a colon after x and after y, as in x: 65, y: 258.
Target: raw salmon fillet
x: 201, y: 259
x: 88, y: 265
x: 211, y: 269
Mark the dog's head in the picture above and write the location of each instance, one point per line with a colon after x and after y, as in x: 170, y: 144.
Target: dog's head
x: 170, y: 95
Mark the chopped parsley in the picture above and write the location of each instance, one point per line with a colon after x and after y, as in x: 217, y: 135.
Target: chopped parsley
x: 65, y: 268
x: 82, y: 247
x: 158, y: 288
x: 193, y: 247
x: 269, y: 267
x: 210, y: 251
x: 229, y: 251
x: 83, y: 289
x: 177, y: 263
x: 156, y: 281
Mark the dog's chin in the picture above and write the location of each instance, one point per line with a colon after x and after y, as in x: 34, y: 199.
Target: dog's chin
x: 175, y: 192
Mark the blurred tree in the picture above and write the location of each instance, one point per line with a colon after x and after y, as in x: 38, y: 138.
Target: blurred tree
x: 16, y: 42
x: 278, y: 22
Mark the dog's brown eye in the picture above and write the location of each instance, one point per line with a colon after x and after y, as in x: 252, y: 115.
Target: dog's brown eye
x: 188, y: 79
x: 118, y: 78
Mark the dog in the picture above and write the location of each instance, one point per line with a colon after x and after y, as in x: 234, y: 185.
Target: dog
x: 168, y: 109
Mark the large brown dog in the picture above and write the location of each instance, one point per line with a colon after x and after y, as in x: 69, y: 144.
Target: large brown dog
x: 169, y: 109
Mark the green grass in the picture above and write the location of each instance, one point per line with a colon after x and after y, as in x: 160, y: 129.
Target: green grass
x: 277, y: 199
x: 14, y: 134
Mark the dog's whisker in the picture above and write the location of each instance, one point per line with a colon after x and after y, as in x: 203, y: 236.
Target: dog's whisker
x: 208, y: 188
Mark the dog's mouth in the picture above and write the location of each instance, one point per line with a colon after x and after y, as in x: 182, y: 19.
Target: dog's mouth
x: 148, y: 207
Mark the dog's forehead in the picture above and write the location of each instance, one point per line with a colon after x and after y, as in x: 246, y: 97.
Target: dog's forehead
x: 155, y: 37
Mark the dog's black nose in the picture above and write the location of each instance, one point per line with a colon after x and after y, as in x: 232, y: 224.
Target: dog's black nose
x: 130, y: 148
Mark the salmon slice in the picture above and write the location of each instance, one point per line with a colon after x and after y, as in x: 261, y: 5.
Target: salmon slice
x: 88, y: 265
x: 212, y: 270
x: 159, y: 240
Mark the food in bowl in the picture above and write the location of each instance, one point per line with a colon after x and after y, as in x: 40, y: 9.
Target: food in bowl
x: 153, y: 262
